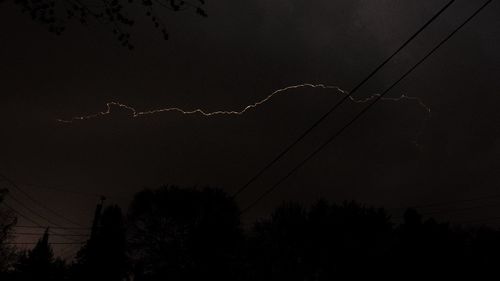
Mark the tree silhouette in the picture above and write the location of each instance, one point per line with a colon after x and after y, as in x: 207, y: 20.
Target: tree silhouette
x: 39, y: 263
x: 176, y: 233
x: 483, y: 250
x: 104, y: 255
x: 185, y: 234
x: 7, y: 221
x: 424, y: 247
x: 119, y: 15
x: 324, y: 242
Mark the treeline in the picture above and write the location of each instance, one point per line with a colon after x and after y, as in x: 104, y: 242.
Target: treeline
x: 195, y: 234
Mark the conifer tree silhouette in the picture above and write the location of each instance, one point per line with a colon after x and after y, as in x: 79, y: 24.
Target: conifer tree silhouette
x: 104, y: 255
x: 39, y: 263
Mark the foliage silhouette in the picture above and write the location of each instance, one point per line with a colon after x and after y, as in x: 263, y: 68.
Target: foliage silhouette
x: 104, y: 255
x: 119, y: 15
x: 324, y: 242
x: 185, y: 234
x: 39, y: 263
x: 175, y: 233
x: 7, y: 221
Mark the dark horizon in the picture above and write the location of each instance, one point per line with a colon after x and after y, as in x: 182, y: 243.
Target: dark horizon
x: 192, y: 233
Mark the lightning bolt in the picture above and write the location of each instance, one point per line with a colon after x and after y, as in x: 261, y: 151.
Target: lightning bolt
x: 135, y: 113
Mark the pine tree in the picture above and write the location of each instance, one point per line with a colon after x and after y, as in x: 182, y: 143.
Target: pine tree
x: 103, y: 257
x: 39, y: 263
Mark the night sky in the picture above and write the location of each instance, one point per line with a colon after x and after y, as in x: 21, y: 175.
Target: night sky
x: 396, y: 156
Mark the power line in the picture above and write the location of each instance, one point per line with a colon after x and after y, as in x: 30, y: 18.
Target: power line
x: 51, y: 243
x: 53, y: 227
x: 52, y: 234
x: 357, y: 116
x: 345, y: 98
x: 38, y: 225
x: 76, y: 192
x: 23, y: 215
x: 12, y: 183
x: 31, y: 210
x: 54, y: 188
x: 53, y: 224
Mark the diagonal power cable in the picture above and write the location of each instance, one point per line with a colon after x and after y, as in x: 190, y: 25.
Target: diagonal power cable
x: 341, y: 101
x: 362, y: 112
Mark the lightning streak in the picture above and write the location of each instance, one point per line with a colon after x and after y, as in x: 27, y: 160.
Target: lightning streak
x: 135, y: 113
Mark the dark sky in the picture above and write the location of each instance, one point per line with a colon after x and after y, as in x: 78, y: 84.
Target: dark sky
x: 238, y: 55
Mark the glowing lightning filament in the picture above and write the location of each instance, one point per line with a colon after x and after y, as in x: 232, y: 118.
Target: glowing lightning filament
x: 136, y: 113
